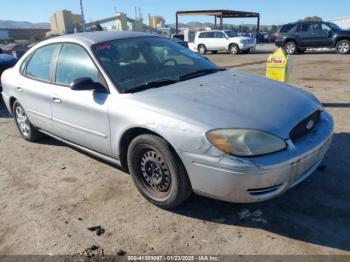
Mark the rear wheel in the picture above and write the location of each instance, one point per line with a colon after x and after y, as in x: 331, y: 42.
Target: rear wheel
x: 27, y: 130
x: 233, y: 49
x: 202, y: 49
x: 157, y: 171
x: 343, y: 47
x: 290, y: 48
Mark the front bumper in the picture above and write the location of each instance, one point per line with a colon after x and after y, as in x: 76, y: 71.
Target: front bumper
x: 247, y: 46
x: 257, y: 179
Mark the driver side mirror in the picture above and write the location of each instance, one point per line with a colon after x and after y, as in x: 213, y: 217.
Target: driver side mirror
x: 86, y: 83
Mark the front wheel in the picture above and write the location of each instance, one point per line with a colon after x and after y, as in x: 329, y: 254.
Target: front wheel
x: 343, y: 47
x: 233, y: 49
x: 27, y: 130
x: 290, y: 48
x: 157, y: 171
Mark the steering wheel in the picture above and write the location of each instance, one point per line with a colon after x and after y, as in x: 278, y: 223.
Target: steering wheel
x: 169, y: 60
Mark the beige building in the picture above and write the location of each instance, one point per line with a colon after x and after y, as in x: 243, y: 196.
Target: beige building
x: 156, y: 21
x: 123, y: 23
x: 64, y: 22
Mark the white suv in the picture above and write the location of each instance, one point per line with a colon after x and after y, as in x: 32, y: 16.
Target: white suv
x: 223, y: 41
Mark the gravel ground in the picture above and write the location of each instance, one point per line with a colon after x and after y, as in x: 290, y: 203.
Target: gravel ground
x: 51, y: 193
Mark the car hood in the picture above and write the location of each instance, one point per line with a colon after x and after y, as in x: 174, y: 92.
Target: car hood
x: 233, y: 99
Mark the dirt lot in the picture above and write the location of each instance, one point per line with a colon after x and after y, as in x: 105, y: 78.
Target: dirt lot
x: 51, y: 193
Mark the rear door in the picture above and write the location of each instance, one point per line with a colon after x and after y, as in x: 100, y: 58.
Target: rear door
x: 80, y: 117
x: 210, y: 41
x: 305, y: 35
x: 34, y: 86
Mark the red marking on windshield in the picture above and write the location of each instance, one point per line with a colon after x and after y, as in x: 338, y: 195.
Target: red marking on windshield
x: 105, y: 46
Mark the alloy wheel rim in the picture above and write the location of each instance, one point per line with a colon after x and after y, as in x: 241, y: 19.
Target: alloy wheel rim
x: 233, y: 49
x: 290, y: 48
x: 201, y: 50
x: 22, y: 121
x: 155, y: 173
x: 344, y: 47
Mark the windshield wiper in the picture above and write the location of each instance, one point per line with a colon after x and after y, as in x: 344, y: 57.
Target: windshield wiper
x: 200, y: 73
x: 151, y: 84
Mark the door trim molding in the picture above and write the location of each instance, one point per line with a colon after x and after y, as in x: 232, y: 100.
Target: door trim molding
x: 39, y: 114
x: 92, y: 132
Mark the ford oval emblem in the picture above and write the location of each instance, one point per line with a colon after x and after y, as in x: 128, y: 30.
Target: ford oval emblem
x: 310, y: 125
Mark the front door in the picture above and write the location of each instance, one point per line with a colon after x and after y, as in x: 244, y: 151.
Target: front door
x: 221, y: 42
x: 320, y: 37
x: 80, y: 117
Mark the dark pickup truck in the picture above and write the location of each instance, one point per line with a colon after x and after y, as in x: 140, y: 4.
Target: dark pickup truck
x: 297, y: 37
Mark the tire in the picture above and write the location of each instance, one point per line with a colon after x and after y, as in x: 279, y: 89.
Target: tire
x: 158, y: 172
x: 290, y: 48
x: 202, y: 49
x: 233, y: 49
x: 343, y: 47
x: 26, y: 129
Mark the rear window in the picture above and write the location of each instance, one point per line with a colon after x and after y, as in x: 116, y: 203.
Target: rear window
x: 286, y: 28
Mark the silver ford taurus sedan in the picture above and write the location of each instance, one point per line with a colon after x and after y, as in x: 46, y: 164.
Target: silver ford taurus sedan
x: 176, y: 121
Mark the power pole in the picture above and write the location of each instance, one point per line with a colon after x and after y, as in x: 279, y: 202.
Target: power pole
x: 82, y: 16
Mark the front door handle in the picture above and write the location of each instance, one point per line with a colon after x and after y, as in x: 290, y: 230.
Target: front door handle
x: 19, y: 89
x: 56, y: 99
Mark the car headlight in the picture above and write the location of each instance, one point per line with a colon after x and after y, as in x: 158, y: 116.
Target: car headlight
x: 242, y: 41
x: 245, y: 142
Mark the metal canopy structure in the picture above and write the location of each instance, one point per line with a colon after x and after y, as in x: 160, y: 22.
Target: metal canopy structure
x: 219, y: 14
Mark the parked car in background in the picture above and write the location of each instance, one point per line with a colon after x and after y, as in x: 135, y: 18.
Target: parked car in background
x: 224, y: 40
x: 298, y: 37
x: 177, y: 122
x: 180, y: 42
x: 6, y: 61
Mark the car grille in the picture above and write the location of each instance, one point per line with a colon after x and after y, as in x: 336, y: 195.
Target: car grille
x: 303, y: 128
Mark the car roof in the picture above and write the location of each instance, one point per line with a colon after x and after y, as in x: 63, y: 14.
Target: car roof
x: 91, y: 38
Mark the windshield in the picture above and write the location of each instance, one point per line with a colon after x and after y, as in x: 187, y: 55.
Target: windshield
x: 231, y: 33
x: 134, y: 62
x: 334, y: 26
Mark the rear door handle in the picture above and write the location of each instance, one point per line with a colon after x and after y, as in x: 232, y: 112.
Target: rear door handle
x: 56, y: 99
x: 19, y: 89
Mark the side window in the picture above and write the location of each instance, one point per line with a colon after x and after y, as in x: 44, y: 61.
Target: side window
x: 201, y: 35
x: 39, y: 65
x: 219, y: 35
x: 210, y: 34
x: 306, y: 28
x: 73, y: 63
x: 316, y: 27
x: 326, y: 27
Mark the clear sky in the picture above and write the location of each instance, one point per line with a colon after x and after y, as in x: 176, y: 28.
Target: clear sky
x: 272, y: 11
